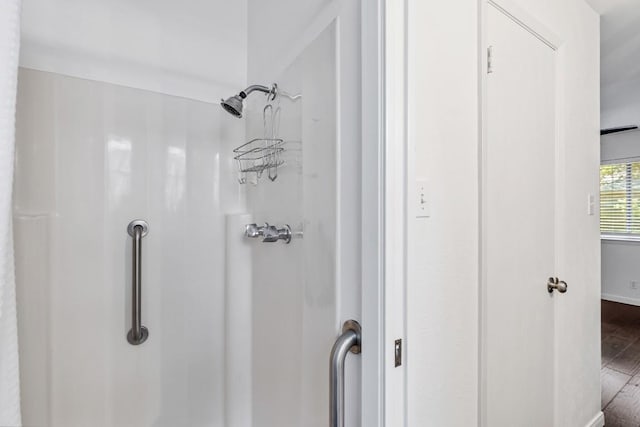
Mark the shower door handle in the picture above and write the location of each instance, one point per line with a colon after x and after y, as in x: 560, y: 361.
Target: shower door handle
x: 138, y: 334
x: 349, y: 341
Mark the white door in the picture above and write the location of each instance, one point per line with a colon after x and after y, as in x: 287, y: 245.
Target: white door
x: 519, y: 216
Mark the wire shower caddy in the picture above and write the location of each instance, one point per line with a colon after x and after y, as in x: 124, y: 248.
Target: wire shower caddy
x: 258, y: 155
x: 262, y: 154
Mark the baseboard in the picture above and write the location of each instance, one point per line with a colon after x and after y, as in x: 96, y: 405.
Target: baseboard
x: 623, y: 300
x: 597, y: 421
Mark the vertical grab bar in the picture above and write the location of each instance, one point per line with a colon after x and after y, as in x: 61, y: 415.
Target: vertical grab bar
x: 349, y: 341
x: 138, y: 334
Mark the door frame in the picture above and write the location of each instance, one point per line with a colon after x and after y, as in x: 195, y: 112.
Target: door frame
x: 384, y: 207
x: 372, y: 215
x: 551, y: 39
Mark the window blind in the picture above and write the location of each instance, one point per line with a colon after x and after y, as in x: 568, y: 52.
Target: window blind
x: 620, y: 199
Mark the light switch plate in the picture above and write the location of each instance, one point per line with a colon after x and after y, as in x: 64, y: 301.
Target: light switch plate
x: 422, y: 201
x: 591, y: 204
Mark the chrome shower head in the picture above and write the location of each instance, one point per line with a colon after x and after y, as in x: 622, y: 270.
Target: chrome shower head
x: 233, y: 105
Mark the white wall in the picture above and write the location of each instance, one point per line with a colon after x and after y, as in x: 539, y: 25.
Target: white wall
x: 619, y: 268
x: 619, y: 47
x: 276, y: 33
x: 195, y: 50
x: 91, y: 157
x: 442, y: 294
x: 620, y: 101
x: 620, y: 146
x: 620, y: 258
x: 443, y: 286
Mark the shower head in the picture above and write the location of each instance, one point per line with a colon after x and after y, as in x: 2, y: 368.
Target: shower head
x: 233, y: 105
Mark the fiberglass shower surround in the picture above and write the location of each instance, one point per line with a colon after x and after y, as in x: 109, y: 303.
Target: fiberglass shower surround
x: 96, y: 152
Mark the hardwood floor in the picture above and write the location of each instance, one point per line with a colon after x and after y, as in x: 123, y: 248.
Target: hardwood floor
x: 620, y: 372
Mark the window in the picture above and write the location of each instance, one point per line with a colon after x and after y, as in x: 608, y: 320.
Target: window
x: 620, y: 200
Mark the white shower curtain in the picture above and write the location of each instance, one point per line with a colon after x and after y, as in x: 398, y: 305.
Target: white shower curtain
x: 9, y: 374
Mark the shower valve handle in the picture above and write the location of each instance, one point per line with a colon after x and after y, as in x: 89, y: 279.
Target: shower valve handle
x: 273, y: 234
x: 254, y: 230
x: 269, y: 233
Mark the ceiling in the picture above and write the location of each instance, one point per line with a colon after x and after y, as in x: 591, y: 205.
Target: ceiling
x: 188, y: 48
x: 620, y: 61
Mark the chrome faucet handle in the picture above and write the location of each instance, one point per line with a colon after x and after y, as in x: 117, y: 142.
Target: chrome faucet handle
x: 254, y: 230
x: 270, y: 234
x: 285, y: 233
x: 273, y: 234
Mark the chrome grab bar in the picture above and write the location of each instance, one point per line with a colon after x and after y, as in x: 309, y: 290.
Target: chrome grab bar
x: 138, y: 334
x: 349, y: 341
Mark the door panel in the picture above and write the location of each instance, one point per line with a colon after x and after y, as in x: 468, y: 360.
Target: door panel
x: 519, y: 226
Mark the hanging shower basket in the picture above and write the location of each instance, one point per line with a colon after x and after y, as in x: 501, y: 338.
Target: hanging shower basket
x: 258, y: 155
x: 262, y: 154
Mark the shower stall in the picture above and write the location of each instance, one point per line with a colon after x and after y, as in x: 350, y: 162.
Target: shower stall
x: 192, y: 182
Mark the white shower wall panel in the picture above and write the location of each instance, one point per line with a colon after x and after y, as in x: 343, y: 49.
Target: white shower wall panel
x: 295, y: 295
x: 91, y: 157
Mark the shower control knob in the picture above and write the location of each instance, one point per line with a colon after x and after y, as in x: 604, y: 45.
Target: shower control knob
x: 273, y: 234
x: 269, y: 233
x: 253, y: 230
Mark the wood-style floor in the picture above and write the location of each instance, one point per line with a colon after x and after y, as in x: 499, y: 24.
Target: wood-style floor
x: 620, y: 371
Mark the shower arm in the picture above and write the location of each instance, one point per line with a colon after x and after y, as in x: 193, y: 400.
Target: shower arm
x: 273, y: 90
